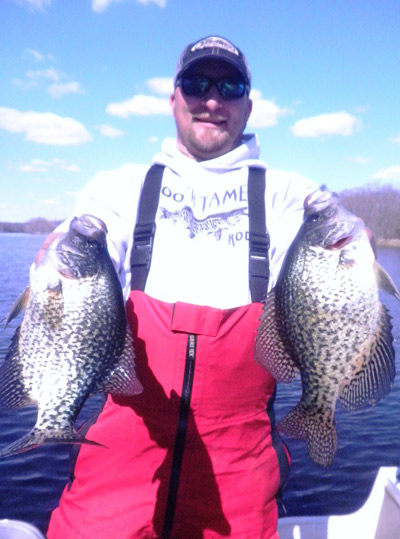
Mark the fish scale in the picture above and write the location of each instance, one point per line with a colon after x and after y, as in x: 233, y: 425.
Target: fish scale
x: 74, y: 339
x: 324, y: 320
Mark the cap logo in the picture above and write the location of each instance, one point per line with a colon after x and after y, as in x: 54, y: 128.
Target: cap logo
x: 214, y: 41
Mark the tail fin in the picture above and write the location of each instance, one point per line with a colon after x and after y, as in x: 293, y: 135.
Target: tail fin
x: 314, y: 426
x: 37, y: 437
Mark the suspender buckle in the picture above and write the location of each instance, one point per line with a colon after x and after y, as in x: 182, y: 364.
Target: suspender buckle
x: 259, y: 262
x: 143, y: 244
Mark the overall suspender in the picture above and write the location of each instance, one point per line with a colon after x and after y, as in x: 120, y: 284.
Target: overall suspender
x: 258, y: 237
x: 145, y: 229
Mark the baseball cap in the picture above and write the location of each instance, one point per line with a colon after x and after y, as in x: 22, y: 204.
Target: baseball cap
x: 213, y: 47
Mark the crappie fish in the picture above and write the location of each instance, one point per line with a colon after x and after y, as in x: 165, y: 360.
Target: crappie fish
x: 73, y: 340
x: 324, y: 319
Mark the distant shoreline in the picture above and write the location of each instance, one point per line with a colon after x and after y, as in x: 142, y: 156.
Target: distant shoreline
x: 22, y: 232
x: 395, y: 243
x: 34, y: 226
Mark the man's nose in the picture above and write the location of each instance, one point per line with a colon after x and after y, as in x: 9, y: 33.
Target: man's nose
x: 212, y: 99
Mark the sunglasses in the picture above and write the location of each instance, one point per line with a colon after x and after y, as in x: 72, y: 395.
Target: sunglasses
x: 199, y: 85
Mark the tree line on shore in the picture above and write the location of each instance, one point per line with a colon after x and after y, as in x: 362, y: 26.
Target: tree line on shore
x: 378, y: 207
x: 39, y: 225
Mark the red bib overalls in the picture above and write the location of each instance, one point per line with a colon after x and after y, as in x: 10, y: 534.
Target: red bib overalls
x: 193, y: 456
x: 229, y: 473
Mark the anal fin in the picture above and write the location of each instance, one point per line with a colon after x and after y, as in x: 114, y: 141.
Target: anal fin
x: 318, y: 428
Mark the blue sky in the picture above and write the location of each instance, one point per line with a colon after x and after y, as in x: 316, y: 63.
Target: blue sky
x: 84, y: 87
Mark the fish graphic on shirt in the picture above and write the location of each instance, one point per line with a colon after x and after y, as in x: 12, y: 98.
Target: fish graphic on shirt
x: 213, y: 224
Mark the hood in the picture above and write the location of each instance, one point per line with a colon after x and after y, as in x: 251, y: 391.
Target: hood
x: 247, y: 154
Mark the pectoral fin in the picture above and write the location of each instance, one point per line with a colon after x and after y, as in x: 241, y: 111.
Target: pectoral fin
x: 19, y: 305
x: 385, y: 282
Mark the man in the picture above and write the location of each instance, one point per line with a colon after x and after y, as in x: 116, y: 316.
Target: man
x: 195, y: 454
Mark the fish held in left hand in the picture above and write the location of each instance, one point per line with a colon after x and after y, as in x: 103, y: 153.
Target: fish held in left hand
x: 324, y: 320
x: 74, y: 339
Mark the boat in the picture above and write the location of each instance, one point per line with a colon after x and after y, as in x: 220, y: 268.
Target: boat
x: 378, y: 518
x: 17, y: 529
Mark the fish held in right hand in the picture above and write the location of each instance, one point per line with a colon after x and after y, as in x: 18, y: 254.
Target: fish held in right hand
x: 324, y: 320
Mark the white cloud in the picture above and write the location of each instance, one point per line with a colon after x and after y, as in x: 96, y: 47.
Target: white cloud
x: 161, y: 85
x: 36, y: 55
x: 397, y: 139
x: 37, y: 4
x: 390, y: 173
x: 335, y: 123
x: 140, y: 105
x: 159, y: 3
x: 265, y: 112
x: 58, y: 89
x: 43, y: 127
x: 63, y: 165
x: 36, y: 165
x: 146, y: 105
x: 361, y: 109
x: 99, y: 6
x: 69, y: 167
x: 46, y: 74
x: 39, y: 165
x: 360, y: 159
x: 110, y: 131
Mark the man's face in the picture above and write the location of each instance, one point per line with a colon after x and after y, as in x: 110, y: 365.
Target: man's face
x: 209, y: 126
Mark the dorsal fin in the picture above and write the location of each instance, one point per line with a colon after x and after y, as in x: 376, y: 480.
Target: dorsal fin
x: 374, y: 379
x: 271, y: 352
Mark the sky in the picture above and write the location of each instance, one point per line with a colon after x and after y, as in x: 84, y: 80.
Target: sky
x: 85, y: 85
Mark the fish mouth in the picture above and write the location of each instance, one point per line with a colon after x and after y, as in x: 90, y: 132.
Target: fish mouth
x: 348, y: 233
x: 70, y: 249
x: 89, y: 226
x: 339, y: 244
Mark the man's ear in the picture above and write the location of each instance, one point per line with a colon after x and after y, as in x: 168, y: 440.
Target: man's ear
x: 249, y: 109
x: 172, y: 102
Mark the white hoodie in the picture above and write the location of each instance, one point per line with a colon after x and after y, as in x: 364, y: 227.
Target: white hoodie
x: 200, y: 251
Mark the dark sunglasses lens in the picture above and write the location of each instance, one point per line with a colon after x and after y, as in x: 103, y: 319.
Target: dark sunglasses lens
x: 196, y: 86
x: 231, y: 89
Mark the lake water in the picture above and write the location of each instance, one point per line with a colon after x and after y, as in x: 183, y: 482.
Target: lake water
x: 31, y: 483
